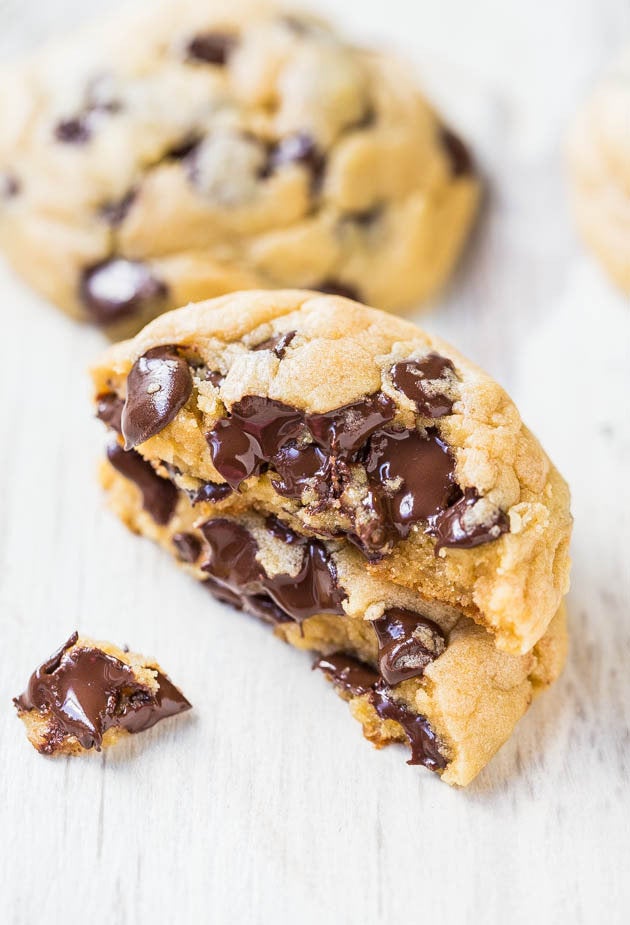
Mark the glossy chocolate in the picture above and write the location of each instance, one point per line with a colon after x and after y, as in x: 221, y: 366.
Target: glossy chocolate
x: 422, y: 739
x: 88, y: 692
x: 118, y: 288
x: 407, y: 643
x: 212, y: 47
x: 414, y: 474
x: 188, y: 546
x: 256, y: 429
x: 412, y: 378
x: 109, y: 410
x: 455, y: 528
x: 159, y: 496
x: 210, y: 491
x: 299, y: 468
x: 158, y: 385
x: 277, y: 344
x: 349, y: 674
x: 344, y: 430
x: 232, y: 564
x: 459, y: 156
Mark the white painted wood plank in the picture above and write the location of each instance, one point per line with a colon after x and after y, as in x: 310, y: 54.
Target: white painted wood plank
x: 265, y: 805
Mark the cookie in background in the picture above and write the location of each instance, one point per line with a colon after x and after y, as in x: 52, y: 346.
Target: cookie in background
x: 197, y: 148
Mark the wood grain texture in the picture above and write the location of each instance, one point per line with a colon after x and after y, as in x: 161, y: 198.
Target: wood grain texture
x: 265, y: 805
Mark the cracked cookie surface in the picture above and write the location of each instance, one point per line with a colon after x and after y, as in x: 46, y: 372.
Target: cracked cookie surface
x: 202, y: 148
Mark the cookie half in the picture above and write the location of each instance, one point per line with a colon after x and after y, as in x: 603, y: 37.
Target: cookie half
x: 205, y: 147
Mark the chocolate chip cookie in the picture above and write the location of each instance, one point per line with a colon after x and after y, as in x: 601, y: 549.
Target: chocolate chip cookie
x: 89, y: 694
x: 204, y: 147
x: 361, y: 487
x: 599, y: 162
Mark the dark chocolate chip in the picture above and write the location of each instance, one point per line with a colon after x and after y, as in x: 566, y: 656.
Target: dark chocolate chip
x: 212, y: 47
x: 344, y: 430
x: 407, y: 643
x: 232, y: 563
x: 299, y: 468
x: 116, y: 211
x: 277, y: 344
x: 10, y: 186
x: 109, y: 410
x: 158, y: 385
x: 422, y: 739
x: 232, y: 556
x: 256, y: 429
x: 336, y: 287
x: 414, y: 475
x: 313, y: 590
x: 301, y: 149
x: 159, y: 496
x: 458, y: 154
x: 74, y: 131
x: 88, y: 692
x: 412, y: 376
x: 210, y: 491
x: 457, y: 528
x: 117, y: 288
x: 188, y: 546
x: 349, y: 674
x: 215, y: 377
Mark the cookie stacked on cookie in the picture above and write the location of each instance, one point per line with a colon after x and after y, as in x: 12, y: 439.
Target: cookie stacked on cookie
x: 365, y: 490
x: 201, y: 148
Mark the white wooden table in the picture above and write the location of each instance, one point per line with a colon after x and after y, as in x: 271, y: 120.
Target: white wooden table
x: 265, y: 805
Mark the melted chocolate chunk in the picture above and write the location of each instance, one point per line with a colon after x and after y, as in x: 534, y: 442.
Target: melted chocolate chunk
x: 232, y: 561
x: 116, y: 211
x: 349, y: 674
x: 313, y: 590
x: 256, y: 429
x: 212, y: 47
x: 215, y: 377
x: 299, y: 468
x: 407, y: 643
x: 88, y: 692
x: 117, y: 288
x: 210, y: 491
x: 414, y: 475
x: 336, y: 287
x: 109, y: 410
x: 277, y: 344
x: 343, y: 431
x: 456, y: 527
x: 232, y: 564
x: 188, y: 546
x: 158, y: 385
x: 9, y: 185
x: 301, y: 149
x: 459, y: 156
x: 412, y: 376
x: 422, y: 739
x: 159, y: 496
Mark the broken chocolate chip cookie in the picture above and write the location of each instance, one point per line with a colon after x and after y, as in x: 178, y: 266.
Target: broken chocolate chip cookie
x: 365, y: 490
x: 89, y: 694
